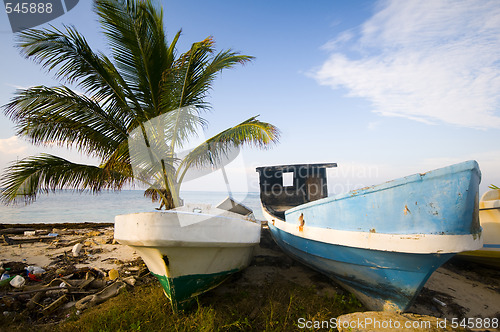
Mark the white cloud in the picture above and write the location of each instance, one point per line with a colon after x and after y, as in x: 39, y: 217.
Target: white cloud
x: 341, y: 39
x: 350, y: 175
x: 12, y: 146
x: 430, y: 61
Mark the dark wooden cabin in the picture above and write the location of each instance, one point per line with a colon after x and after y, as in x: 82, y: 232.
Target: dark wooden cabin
x: 306, y: 183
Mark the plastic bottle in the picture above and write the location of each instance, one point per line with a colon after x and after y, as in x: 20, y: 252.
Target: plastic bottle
x: 33, y: 269
x: 4, y: 282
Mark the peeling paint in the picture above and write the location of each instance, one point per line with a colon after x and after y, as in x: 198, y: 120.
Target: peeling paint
x: 416, y: 237
x: 406, y: 210
x: 165, y: 259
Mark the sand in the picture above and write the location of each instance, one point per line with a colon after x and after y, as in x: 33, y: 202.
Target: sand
x: 99, y: 249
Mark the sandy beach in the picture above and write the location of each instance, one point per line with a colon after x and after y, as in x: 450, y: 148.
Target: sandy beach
x: 456, y: 290
x: 99, y: 249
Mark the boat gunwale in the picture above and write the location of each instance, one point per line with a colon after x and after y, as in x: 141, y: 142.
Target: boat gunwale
x: 379, y: 241
x: 236, y: 217
x: 456, y: 168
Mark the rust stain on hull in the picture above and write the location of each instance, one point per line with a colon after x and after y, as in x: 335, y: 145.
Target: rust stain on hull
x: 301, y: 222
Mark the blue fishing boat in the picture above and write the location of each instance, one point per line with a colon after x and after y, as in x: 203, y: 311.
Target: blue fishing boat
x: 382, y: 242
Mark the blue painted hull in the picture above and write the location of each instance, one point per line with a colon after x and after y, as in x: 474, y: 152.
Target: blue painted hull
x: 382, y: 280
x: 401, y: 232
x: 443, y: 201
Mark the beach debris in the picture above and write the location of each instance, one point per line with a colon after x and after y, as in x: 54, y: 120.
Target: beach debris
x: 108, y: 292
x: 15, y: 230
x: 76, y: 249
x: 113, y: 274
x: 6, y: 281
x: 33, y: 269
x: 49, y: 292
x: 22, y: 240
x: 93, y: 233
x: 439, y: 302
x: 6, y: 240
x: 54, y: 305
x: 130, y: 280
x: 17, y: 281
x: 5, y: 276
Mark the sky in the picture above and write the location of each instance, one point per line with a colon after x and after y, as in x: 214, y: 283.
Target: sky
x: 383, y: 88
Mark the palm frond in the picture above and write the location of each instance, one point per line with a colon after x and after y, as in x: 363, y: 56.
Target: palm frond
x: 44, y: 173
x: 152, y: 160
x: 135, y: 33
x: 180, y: 125
x: 119, y: 161
x: 69, y: 55
x: 59, y: 115
x: 206, y: 72
x: 251, y: 132
x: 198, y: 69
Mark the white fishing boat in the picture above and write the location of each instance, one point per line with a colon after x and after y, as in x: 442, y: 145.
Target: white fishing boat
x: 193, y: 248
x: 489, y: 217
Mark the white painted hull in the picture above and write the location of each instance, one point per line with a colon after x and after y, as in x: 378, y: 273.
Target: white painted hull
x: 196, y: 244
x: 489, y: 217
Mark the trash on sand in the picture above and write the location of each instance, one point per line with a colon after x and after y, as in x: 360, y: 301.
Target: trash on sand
x: 80, y: 288
x: 33, y: 269
x: 108, y: 292
x: 76, y: 249
x: 17, y: 281
x: 33, y: 277
x: 130, y: 280
x: 6, y: 281
x: 113, y: 274
x: 54, y: 305
x: 439, y: 302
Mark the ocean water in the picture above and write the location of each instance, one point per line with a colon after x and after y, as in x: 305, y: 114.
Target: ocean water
x: 68, y: 206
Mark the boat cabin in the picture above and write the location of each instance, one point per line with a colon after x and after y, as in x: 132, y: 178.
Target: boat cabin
x: 286, y: 186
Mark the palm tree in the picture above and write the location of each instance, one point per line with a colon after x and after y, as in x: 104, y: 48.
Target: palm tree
x: 145, y: 80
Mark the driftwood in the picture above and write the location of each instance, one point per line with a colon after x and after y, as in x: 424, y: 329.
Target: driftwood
x: 15, y: 230
x: 54, y: 305
x: 11, y: 241
x: 42, y: 289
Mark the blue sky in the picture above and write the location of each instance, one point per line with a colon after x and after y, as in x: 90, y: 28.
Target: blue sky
x: 383, y: 88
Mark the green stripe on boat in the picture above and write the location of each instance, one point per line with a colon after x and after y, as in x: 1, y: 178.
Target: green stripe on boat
x: 183, y: 290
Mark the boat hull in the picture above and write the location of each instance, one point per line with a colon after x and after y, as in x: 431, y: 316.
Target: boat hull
x: 189, y: 252
x: 382, y: 280
x: 383, y: 242
x: 489, y: 217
